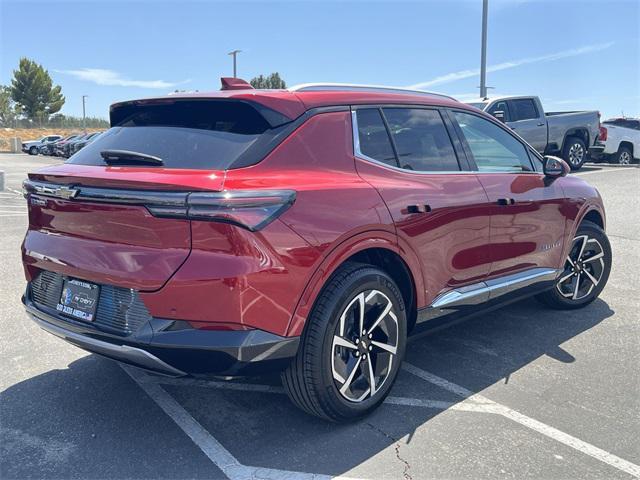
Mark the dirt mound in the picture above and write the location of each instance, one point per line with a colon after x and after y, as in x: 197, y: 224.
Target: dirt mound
x: 28, y: 134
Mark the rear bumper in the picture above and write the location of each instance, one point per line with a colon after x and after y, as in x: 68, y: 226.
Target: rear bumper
x: 596, y: 150
x: 179, y: 352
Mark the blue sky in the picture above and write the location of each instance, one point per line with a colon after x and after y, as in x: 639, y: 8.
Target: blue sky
x: 573, y: 54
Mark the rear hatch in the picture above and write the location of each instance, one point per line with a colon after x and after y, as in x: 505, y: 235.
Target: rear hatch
x: 115, y: 213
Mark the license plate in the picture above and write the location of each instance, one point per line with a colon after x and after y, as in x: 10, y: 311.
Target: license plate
x: 79, y: 299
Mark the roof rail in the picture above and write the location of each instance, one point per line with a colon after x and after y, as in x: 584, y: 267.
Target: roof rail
x: 319, y: 87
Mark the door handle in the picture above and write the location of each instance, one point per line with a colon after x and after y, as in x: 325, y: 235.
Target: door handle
x: 506, y: 201
x: 418, y: 208
x: 541, y: 124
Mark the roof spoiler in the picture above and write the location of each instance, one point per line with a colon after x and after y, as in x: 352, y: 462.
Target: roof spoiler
x: 231, y: 83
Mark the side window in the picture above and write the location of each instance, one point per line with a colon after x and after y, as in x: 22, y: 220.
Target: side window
x: 493, y: 149
x: 373, y: 137
x: 523, y: 109
x: 421, y: 140
x: 500, y: 106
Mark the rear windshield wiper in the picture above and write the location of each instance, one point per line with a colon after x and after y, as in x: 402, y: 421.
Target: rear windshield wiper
x: 126, y: 156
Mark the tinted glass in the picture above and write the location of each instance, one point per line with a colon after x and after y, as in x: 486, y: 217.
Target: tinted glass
x: 421, y: 139
x: 493, y: 149
x: 623, y: 122
x: 523, y: 109
x: 188, y: 134
x: 373, y: 136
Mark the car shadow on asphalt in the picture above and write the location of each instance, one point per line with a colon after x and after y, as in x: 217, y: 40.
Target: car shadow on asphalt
x: 51, y: 416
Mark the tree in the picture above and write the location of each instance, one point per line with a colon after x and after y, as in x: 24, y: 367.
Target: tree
x: 8, y: 110
x: 32, y: 89
x: 273, y: 81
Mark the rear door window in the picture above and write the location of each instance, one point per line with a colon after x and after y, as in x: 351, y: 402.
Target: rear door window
x: 191, y: 134
x: 523, y: 109
x: 421, y: 139
x: 373, y: 137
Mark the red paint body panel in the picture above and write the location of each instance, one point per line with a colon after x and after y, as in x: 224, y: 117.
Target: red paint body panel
x: 531, y: 232
x: 144, y: 178
x: 452, y: 240
x: 113, y: 244
x: 237, y: 277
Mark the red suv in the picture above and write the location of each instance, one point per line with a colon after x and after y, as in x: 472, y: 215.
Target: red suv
x: 308, y: 230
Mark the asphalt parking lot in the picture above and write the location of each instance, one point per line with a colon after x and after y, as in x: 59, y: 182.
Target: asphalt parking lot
x: 524, y: 392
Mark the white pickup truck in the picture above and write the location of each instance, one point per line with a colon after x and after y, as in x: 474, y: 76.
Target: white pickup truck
x: 619, y: 141
x: 570, y: 135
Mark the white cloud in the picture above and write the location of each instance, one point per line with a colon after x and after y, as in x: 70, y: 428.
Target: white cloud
x: 110, y: 78
x: 452, y: 77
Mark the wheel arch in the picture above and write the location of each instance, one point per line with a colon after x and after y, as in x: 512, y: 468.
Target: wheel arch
x: 593, y: 216
x: 629, y: 145
x: 580, y: 132
x: 381, y: 249
x: 590, y: 212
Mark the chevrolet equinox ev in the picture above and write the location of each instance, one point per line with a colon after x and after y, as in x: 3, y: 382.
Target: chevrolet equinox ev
x: 307, y: 230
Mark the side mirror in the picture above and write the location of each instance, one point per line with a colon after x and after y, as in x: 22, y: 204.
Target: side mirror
x: 499, y: 114
x: 555, y: 167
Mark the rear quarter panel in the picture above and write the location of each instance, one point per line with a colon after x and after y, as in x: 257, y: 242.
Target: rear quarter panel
x: 258, y: 279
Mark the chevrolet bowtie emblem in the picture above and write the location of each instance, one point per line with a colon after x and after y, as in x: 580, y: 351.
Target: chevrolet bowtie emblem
x: 66, y: 192
x: 60, y: 192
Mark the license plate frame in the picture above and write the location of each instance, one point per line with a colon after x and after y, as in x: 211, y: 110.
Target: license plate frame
x: 79, y: 299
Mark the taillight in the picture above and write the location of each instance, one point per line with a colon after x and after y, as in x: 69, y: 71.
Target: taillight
x: 250, y: 209
x: 603, y: 134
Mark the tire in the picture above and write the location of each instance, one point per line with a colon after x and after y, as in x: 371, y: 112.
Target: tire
x: 316, y: 380
x: 33, y: 151
x: 574, y: 152
x: 624, y: 156
x: 594, y: 263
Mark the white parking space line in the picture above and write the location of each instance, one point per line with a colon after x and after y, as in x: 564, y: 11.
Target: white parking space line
x: 466, y: 405
x: 213, y: 449
x: 605, y: 170
x: 470, y: 402
x: 530, y: 423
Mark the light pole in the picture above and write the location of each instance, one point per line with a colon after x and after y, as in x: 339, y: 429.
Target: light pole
x: 234, y: 53
x: 84, y: 116
x: 483, y: 54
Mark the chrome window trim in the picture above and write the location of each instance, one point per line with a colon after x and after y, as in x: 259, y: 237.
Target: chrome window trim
x: 358, y: 153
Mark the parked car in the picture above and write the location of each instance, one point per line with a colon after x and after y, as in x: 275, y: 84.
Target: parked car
x: 32, y: 146
x: 49, y: 148
x: 60, y: 145
x: 82, y: 142
x: 567, y: 134
x: 619, y: 141
x: 306, y: 230
x: 69, y: 147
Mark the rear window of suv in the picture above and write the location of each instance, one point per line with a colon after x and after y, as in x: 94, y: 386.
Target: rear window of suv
x: 191, y: 134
